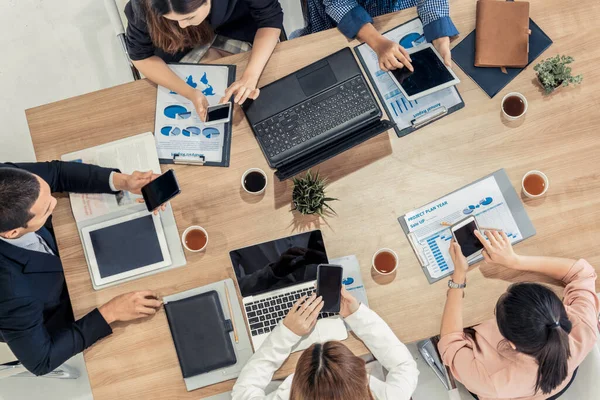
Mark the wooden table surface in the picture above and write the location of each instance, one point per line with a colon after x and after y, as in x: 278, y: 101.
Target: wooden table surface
x: 376, y: 183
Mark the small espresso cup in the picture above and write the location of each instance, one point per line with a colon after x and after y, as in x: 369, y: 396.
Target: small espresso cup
x: 250, y: 189
x: 392, y: 253
x: 513, y: 117
x: 192, y: 230
x: 541, y: 175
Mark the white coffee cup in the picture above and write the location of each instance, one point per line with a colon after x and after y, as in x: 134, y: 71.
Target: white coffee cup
x: 254, y: 170
x: 385, y: 250
x: 188, y: 230
x: 516, y: 94
x: 541, y: 175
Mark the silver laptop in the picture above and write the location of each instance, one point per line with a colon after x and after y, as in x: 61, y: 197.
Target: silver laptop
x: 273, y: 275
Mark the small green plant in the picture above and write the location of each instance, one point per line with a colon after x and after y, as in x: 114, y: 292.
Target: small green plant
x: 554, y: 72
x: 308, y: 196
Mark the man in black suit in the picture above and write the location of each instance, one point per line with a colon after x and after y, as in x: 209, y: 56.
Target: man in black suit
x: 36, y: 319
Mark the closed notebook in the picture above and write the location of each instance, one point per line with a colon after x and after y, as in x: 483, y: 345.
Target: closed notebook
x: 502, y: 34
x: 200, y: 333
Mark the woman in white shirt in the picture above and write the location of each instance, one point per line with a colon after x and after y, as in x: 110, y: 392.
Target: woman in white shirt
x: 329, y: 371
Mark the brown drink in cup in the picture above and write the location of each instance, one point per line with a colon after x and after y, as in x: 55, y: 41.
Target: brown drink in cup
x: 385, y: 261
x: 195, y: 238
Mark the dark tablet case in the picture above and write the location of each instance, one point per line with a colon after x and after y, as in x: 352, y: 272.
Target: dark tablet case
x: 492, y: 80
x: 201, y: 334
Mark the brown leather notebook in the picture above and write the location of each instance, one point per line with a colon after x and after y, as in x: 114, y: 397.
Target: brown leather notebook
x: 502, y: 34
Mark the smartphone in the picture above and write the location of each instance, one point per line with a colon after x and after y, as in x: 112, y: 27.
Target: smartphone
x: 329, y: 285
x: 219, y: 114
x: 464, y: 234
x: 161, y: 190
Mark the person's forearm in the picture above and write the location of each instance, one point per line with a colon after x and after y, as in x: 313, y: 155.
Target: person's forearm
x: 452, y: 319
x: 369, y: 35
x: 264, y: 43
x: 158, y: 72
x: 553, y: 267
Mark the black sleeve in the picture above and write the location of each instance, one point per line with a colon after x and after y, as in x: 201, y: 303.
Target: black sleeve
x: 266, y: 13
x: 72, y: 177
x: 35, y: 348
x: 137, y: 38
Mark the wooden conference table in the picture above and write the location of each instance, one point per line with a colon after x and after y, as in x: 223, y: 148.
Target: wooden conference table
x: 376, y: 183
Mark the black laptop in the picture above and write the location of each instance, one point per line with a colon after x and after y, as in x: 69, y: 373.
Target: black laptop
x: 314, y: 114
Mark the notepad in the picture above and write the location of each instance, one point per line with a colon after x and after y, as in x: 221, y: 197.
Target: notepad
x: 201, y: 333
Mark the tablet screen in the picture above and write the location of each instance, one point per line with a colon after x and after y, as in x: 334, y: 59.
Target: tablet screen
x: 137, y: 244
x: 429, y: 72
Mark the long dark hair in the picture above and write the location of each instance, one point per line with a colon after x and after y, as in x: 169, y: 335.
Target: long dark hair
x: 168, y: 35
x: 534, y: 319
x: 330, y: 371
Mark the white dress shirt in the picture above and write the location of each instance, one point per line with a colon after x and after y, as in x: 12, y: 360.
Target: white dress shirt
x: 33, y: 241
x: 400, y: 383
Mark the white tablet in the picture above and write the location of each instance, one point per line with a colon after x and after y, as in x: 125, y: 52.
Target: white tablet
x: 125, y: 247
x: 429, y: 76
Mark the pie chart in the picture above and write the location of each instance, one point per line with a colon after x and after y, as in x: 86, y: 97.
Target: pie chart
x: 411, y: 40
x: 211, y: 133
x: 193, y: 130
x: 174, y: 111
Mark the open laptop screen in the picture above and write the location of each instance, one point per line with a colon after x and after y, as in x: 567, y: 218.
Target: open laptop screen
x: 279, y: 263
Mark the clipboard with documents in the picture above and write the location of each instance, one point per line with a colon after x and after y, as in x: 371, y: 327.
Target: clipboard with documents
x: 181, y: 137
x: 408, y: 115
x: 492, y: 200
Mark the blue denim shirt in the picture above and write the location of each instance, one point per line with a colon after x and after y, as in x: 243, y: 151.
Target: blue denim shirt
x: 351, y: 15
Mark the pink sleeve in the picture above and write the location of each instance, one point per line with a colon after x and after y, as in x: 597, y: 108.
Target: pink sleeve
x: 580, y: 294
x: 458, y: 352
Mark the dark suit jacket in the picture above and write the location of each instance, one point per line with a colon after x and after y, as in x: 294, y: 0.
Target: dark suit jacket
x: 36, y: 319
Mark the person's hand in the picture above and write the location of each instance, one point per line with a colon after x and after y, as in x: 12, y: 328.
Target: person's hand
x: 200, y: 104
x: 391, y: 55
x: 135, y: 182
x: 302, y: 317
x: 349, y: 304
x: 243, y: 89
x: 130, y: 306
x: 461, y: 266
x: 498, y: 249
x: 442, y: 45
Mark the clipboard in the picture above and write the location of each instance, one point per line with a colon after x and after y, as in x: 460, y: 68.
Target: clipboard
x: 418, y: 122
x: 189, y: 158
x: 512, y: 201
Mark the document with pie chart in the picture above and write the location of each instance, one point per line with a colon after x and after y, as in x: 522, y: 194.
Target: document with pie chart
x: 179, y: 132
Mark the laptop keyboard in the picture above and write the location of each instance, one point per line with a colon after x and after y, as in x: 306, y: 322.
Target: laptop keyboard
x: 317, y: 115
x: 264, y: 315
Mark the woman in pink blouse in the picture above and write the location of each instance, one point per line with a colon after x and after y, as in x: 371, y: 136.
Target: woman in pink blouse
x: 532, y: 349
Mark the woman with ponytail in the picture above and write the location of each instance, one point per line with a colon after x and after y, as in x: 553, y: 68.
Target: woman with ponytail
x: 532, y: 349
x: 170, y: 31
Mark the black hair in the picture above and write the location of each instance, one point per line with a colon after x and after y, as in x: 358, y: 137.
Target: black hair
x: 19, y: 190
x: 534, y: 319
x: 182, y: 7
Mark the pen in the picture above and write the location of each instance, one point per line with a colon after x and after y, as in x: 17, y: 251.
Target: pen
x: 231, y: 314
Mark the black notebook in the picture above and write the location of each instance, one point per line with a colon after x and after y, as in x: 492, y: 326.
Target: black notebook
x: 492, y: 80
x: 201, y: 334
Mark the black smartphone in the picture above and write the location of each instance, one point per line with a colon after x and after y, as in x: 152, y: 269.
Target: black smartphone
x: 219, y: 114
x: 161, y: 190
x: 464, y: 233
x: 329, y: 285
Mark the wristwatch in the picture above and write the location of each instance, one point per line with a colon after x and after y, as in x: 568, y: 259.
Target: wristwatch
x: 454, y: 285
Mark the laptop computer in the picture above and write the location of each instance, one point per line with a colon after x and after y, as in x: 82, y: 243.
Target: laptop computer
x: 314, y: 114
x: 273, y: 275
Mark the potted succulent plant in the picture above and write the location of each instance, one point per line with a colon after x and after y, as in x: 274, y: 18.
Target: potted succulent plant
x: 308, y: 196
x: 554, y: 72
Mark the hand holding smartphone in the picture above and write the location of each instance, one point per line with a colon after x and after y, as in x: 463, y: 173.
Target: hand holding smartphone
x: 329, y: 286
x: 160, y: 190
x: 464, y: 234
x: 218, y: 114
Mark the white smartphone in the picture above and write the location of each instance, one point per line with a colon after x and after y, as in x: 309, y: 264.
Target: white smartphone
x: 429, y: 76
x: 464, y: 234
x: 219, y: 114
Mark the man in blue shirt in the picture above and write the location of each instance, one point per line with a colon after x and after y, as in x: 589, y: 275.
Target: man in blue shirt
x: 354, y: 19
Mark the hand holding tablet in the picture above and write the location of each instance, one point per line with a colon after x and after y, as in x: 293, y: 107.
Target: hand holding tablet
x: 429, y: 76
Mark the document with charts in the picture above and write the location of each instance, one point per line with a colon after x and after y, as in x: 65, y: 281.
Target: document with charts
x: 431, y: 240
x: 178, y: 128
x: 402, y: 111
